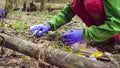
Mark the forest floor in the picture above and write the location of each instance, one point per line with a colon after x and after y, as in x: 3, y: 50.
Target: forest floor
x: 18, y: 24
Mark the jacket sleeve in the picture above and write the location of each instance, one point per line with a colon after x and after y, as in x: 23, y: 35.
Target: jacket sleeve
x: 63, y: 17
x: 111, y: 26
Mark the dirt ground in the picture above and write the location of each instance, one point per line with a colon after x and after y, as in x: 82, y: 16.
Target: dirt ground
x: 18, y: 23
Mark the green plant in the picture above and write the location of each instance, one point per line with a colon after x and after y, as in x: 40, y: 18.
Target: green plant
x: 18, y: 25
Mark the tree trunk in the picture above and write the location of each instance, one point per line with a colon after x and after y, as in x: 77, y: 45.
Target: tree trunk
x: 24, y: 8
x: 52, y: 6
x: 53, y: 56
x: 29, y: 6
x: 37, y: 1
x: 2, y: 4
x: 9, y: 5
x: 42, y: 3
x: 15, y: 5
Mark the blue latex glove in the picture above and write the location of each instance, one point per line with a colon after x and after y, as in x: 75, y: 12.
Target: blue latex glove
x: 73, y: 36
x: 3, y: 13
x: 39, y: 30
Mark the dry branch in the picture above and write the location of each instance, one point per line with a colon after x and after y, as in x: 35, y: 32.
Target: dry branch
x: 53, y: 56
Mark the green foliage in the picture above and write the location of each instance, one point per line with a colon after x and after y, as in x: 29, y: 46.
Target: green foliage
x: 56, y: 46
x: 59, y: 46
x: 18, y: 25
x: 67, y: 48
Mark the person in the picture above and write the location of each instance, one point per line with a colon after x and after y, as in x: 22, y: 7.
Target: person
x: 3, y: 13
x: 101, y: 16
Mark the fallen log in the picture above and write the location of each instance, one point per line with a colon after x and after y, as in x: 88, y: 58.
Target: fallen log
x: 29, y: 7
x: 52, y: 6
x: 53, y: 56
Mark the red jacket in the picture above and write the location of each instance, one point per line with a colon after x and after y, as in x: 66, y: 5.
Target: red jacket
x: 90, y: 11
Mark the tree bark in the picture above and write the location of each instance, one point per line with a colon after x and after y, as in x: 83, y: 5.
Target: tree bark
x: 15, y: 5
x: 42, y: 3
x: 53, y: 56
x: 2, y: 4
x: 9, y: 5
x: 52, y: 6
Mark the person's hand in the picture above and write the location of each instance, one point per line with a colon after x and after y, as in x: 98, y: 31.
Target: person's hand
x: 3, y: 13
x: 73, y: 36
x: 39, y: 30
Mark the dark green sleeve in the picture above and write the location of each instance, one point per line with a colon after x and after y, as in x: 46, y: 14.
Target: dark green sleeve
x: 111, y: 26
x: 63, y: 17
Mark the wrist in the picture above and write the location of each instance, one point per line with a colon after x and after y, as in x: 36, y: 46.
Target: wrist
x: 51, y: 26
x: 83, y: 35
